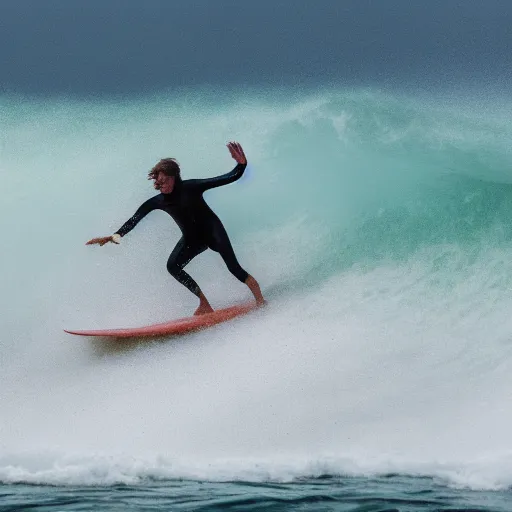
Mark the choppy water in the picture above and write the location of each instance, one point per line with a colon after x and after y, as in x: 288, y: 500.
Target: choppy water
x: 388, y: 493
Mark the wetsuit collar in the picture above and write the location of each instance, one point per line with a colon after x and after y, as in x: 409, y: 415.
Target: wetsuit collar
x: 175, y: 190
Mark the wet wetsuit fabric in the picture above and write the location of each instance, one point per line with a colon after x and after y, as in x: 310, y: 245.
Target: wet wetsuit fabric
x: 200, y: 227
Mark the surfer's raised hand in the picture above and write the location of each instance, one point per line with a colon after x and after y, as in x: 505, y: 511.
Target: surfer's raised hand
x: 237, y: 152
x: 102, y: 240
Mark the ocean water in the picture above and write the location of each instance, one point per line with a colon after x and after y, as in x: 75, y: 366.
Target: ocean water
x: 379, y: 375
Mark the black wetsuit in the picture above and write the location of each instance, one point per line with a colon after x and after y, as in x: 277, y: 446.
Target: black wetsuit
x: 201, y: 228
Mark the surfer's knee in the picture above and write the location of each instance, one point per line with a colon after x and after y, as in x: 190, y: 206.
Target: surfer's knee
x: 173, y: 268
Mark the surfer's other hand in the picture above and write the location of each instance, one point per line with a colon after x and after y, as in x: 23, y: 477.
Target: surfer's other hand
x: 237, y: 152
x: 102, y: 240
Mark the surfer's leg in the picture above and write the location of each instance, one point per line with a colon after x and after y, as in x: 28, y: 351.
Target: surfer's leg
x: 255, y: 290
x: 222, y: 244
x: 181, y: 255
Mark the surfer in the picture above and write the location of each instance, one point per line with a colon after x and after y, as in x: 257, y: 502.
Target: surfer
x: 201, y: 228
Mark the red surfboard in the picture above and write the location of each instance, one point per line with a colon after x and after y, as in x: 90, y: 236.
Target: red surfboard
x: 181, y: 326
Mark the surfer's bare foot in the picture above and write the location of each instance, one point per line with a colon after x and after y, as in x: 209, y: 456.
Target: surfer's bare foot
x: 256, y: 291
x: 204, y: 306
x: 203, y: 310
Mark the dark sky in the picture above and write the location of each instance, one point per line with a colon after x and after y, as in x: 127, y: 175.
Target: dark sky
x: 91, y: 47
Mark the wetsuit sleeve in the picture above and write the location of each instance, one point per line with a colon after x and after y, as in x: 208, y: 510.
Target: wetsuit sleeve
x: 219, y: 181
x: 141, y: 212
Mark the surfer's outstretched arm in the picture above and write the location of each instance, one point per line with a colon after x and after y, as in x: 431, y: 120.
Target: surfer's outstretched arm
x: 141, y: 212
x: 238, y: 154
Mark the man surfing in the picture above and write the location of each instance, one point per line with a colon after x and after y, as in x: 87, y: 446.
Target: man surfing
x: 201, y: 229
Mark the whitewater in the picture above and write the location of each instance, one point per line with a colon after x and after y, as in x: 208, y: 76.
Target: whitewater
x: 379, y: 226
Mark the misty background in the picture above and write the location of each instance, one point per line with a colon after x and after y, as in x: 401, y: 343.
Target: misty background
x: 71, y: 47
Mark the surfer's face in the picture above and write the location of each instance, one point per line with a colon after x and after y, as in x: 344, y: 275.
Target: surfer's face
x: 164, y: 183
